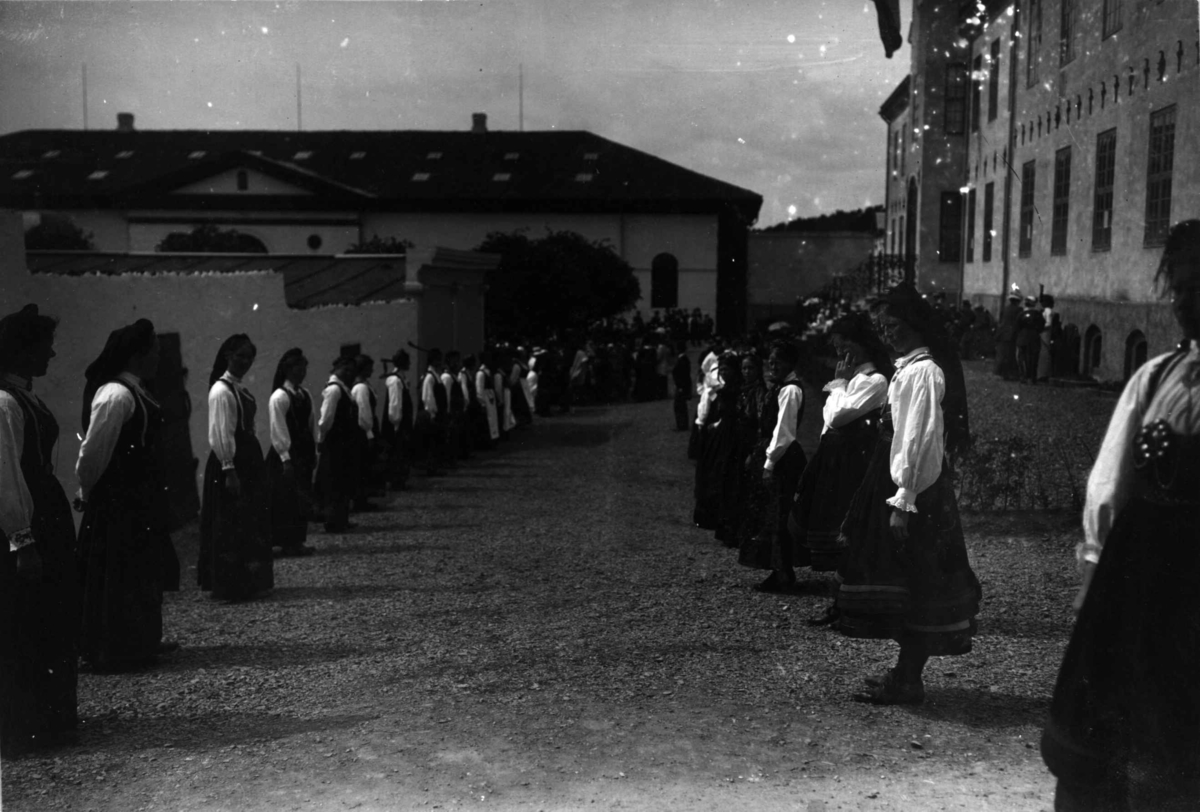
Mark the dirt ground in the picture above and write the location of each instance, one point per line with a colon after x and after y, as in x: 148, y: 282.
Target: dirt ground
x: 544, y: 629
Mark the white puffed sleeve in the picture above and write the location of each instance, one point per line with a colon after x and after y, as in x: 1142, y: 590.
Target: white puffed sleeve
x: 918, y: 445
x: 222, y: 422
x: 16, y: 503
x: 395, y: 400
x: 848, y: 401
x: 281, y: 438
x: 111, y: 409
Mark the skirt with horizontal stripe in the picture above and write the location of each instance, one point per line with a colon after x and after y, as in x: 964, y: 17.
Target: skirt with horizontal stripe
x: 922, y: 589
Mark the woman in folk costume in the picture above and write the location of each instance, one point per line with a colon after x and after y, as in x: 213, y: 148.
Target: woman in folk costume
x: 485, y: 388
x: 706, y: 389
x: 905, y: 574
x: 397, y: 426
x: 1123, y: 731
x: 365, y: 401
x: 851, y: 429
x: 337, y: 429
x: 751, y: 448
x: 126, y: 559
x: 717, y: 426
x: 503, y: 393
x: 292, y: 459
x: 235, y: 518
x: 39, y: 610
x: 431, y: 415
x: 784, y: 461
x: 721, y: 457
x: 522, y: 401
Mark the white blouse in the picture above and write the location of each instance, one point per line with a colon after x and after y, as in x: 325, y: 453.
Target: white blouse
x: 16, y: 503
x: 919, y: 443
x: 396, y: 384
x: 865, y: 392
x: 710, y: 382
x: 1177, y: 401
x: 335, y: 390
x: 281, y: 438
x: 223, y: 415
x: 112, y: 407
x: 791, y: 400
x: 366, y: 415
x: 428, y: 385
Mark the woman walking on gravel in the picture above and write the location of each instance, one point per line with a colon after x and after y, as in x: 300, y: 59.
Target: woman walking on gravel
x: 235, y: 547
x: 1124, y: 729
x: 126, y: 560
x: 292, y: 457
x: 905, y: 575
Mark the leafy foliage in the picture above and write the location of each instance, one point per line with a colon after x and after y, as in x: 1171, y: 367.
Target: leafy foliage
x: 380, y: 245
x: 857, y: 220
x: 560, y: 282
x: 208, y: 238
x: 57, y: 233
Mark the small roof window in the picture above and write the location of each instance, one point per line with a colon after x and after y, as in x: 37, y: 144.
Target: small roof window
x: 22, y: 174
x: 583, y: 177
x: 419, y: 176
x: 511, y: 156
x: 99, y: 174
x: 125, y: 153
x: 357, y: 156
x: 591, y: 156
x: 302, y: 155
x: 197, y: 155
x: 51, y: 153
x: 434, y: 156
x: 502, y: 176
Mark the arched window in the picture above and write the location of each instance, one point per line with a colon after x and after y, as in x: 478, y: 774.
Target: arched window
x: 1135, y: 352
x: 664, y: 281
x: 1092, y: 347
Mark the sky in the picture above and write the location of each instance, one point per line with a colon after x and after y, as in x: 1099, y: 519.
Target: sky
x: 780, y: 97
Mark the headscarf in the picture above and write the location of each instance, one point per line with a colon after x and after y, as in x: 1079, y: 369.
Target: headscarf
x: 123, y: 344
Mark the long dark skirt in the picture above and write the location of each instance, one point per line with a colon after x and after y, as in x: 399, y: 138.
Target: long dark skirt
x: 704, y: 511
x: 123, y: 574
x: 768, y: 545
x: 334, y: 481
x: 39, y: 625
x: 922, y: 590
x: 235, y: 546
x: 724, y: 480
x: 291, y: 501
x: 1125, y: 716
x: 828, y: 484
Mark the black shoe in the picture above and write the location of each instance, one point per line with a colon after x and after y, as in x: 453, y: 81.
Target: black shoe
x: 892, y: 692
x: 827, y: 617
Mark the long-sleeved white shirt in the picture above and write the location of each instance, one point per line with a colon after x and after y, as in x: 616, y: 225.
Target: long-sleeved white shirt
x: 919, y: 443
x: 463, y: 381
x: 710, y: 382
x: 112, y: 407
x: 224, y: 412
x: 427, y: 393
x: 396, y: 385
x: 335, y: 390
x: 791, y: 400
x: 1111, y: 482
x: 281, y: 401
x: 16, y: 502
x: 482, y: 376
x: 849, y: 400
x: 366, y: 415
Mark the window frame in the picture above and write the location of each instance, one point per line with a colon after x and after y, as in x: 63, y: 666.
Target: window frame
x: 976, y: 91
x: 989, y: 211
x: 994, y: 81
x: 1028, y: 209
x: 970, y: 247
x: 1033, y: 54
x: 1160, y: 162
x: 954, y: 100
x: 1112, y: 18
x: 950, y: 224
x: 1060, y: 218
x: 1066, y: 31
x: 1103, y: 191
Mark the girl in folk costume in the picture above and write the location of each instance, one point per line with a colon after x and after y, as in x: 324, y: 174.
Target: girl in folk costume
x: 476, y: 422
x: 503, y: 395
x: 39, y: 614
x: 126, y: 559
x: 850, y: 432
x: 235, y: 519
x: 772, y: 547
x: 458, y: 398
x: 292, y: 459
x: 485, y: 387
x: 1123, y: 732
x: 365, y: 401
x: 337, y: 427
x: 718, y: 467
x: 522, y: 401
x: 397, y: 427
x: 905, y: 574
x: 751, y: 448
x: 709, y: 382
x: 431, y: 414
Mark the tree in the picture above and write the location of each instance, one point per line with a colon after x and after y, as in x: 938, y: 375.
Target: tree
x: 380, y: 245
x: 560, y: 282
x: 58, y: 233
x: 208, y: 239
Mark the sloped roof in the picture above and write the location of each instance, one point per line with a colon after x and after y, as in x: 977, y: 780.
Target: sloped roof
x: 407, y: 170
x: 308, y: 281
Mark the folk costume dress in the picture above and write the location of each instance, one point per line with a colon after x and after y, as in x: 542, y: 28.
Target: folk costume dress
x: 1124, y: 722
x: 336, y: 457
x: 293, y: 439
x: 125, y: 555
x: 431, y: 421
x: 235, y: 559
x: 397, y: 428
x: 39, y: 621
x: 364, y: 442
x: 756, y: 407
x: 922, y: 590
x: 771, y: 547
x: 831, y: 478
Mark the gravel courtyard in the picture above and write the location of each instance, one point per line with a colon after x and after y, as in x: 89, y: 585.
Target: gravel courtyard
x: 544, y: 629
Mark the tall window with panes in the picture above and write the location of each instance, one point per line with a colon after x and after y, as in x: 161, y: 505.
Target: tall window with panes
x: 976, y: 91
x: 994, y: 81
x: 1112, y: 17
x: 1158, y: 175
x: 955, y: 117
x: 971, y: 225
x: 1028, y: 180
x: 1066, y: 31
x: 989, y: 200
x: 1033, y: 55
x: 950, y: 227
x: 1102, y: 202
x: 1060, y: 216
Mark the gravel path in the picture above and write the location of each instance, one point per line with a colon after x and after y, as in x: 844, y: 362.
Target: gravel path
x: 544, y: 629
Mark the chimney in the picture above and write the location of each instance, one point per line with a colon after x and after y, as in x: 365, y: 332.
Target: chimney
x: 479, y: 122
x: 124, y: 122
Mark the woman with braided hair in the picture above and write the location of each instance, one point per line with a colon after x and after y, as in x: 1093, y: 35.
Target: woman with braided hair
x: 292, y: 458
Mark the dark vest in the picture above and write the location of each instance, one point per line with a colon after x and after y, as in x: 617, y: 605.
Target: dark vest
x: 299, y: 413
x: 345, y: 418
x: 458, y: 402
